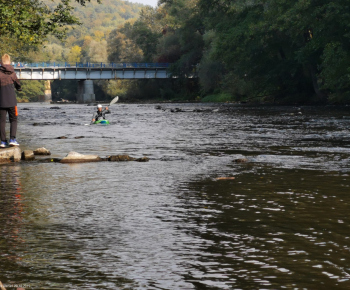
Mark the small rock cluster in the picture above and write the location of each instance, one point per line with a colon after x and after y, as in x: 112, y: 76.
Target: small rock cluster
x: 14, y: 154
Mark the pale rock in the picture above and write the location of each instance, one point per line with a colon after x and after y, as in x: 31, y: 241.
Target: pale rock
x: 28, y: 155
x: 75, y: 157
x: 10, y: 154
x: 42, y: 151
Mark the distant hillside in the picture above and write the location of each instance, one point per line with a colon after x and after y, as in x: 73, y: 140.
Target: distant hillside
x: 102, y: 17
x: 84, y: 43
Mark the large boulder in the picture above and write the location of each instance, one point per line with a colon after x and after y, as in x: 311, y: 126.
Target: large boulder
x: 28, y: 155
x: 10, y: 154
x: 75, y: 157
x: 42, y: 151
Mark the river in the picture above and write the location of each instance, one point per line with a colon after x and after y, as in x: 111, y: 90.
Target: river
x: 282, y: 223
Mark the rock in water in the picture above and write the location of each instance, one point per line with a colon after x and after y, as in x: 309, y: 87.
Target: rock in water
x: 120, y: 158
x: 42, y: 151
x: 142, y: 159
x: 28, y: 155
x: 241, y: 160
x: 75, y: 157
x: 10, y: 154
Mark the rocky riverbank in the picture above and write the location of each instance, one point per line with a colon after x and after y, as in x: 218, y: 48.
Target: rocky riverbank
x: 14, y: 154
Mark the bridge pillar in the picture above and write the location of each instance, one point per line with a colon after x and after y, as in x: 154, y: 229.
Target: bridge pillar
x: 48, y: 95
x: 86, y: 91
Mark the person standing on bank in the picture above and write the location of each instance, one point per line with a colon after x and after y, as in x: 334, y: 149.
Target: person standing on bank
x: 8, y: 101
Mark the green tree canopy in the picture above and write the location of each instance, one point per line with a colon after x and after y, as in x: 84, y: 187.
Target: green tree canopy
x: 29, y: 22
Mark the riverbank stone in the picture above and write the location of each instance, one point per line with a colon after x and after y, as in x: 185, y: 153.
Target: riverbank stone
x: 75, y: 157
x: 28, y: 155
x: 42, y: 151
x: 10, y: 154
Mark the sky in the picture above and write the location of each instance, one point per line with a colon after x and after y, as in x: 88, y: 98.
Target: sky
x: 147, y: 2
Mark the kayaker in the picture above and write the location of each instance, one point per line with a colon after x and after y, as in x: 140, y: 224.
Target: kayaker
x: 100, y: 114
x: 8, y: 102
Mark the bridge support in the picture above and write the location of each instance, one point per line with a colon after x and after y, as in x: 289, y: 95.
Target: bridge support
x: 86, y: 92
x: 47, y: 97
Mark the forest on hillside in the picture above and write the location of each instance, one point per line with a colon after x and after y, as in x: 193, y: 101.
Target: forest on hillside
x: 264, y: 51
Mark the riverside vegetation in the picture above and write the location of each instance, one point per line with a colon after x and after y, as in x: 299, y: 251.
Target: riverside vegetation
x: 252, y: 51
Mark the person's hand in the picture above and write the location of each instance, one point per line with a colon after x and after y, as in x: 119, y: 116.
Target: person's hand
x: 93, y: 120
x: 107, y: 108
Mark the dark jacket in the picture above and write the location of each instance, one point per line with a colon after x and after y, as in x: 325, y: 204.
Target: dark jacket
x: 101, y: 115
x: 8, y: 83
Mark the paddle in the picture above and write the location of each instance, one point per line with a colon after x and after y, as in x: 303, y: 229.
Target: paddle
x: 116, y: 99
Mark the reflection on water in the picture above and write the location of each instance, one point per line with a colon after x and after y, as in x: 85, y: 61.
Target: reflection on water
x: 283, y: 223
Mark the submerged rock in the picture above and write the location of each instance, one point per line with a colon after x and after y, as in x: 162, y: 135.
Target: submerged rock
x: 44, y: 124
x: 42, y: 151
x: 176, y: 110
x: 120, y: 158
x: 55, y: 108
x: 50, y: 160
x: 142, y: 159
x: 28, y: 155
x: 79, y: 137
x: 241, y: 160
x: 10, y: 154
x: 62, y: 137
x: 75, y: 157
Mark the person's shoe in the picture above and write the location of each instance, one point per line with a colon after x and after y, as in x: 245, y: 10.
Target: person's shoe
x: 13, y: 142
x: 4, y: 144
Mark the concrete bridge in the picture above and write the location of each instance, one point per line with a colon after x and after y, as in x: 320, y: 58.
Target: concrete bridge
x: 85, y: 73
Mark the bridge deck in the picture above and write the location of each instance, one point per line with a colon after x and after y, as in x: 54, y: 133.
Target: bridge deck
x: 91, y: 71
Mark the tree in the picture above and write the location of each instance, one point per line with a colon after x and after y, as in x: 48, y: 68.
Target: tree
x: 29, y: 22
x: 31, y: 90
x: 122, y: 49
x: 74, y: 54
x: 98, y: 51
x: 99, y: 35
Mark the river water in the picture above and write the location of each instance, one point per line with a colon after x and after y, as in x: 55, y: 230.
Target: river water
x: 282, y: 223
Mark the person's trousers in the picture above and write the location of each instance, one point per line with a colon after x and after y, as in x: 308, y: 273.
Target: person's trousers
x: 13, y: 122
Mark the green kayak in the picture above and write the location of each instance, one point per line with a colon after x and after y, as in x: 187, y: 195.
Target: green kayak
x: 102, y: 122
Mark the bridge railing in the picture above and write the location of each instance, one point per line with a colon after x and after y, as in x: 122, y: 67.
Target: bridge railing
x: 90, y: 65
